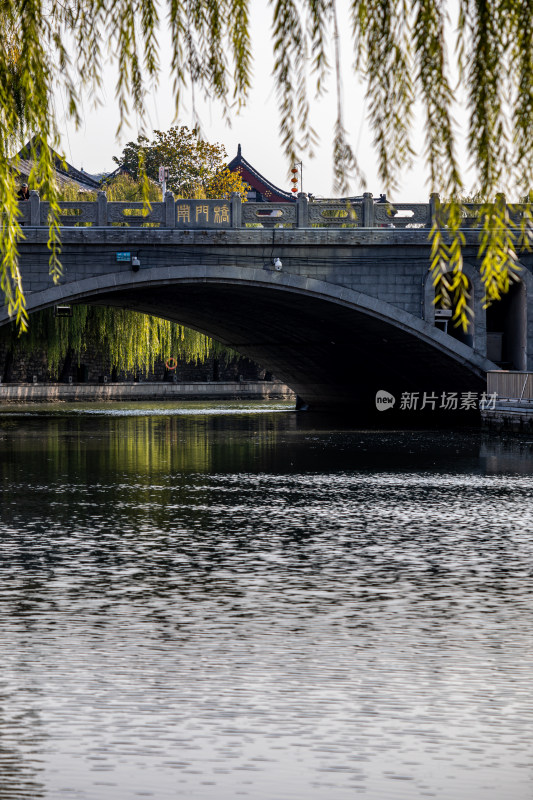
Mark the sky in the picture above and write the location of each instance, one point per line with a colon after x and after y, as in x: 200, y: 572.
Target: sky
x: 256, y: 128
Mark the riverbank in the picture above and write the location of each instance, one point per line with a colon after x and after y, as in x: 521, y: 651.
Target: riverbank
x: 513, y: 401
x: 135, y: 391
x: 509, y: 415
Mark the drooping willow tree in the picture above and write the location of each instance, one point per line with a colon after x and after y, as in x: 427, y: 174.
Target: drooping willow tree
x: 127, y: 340
x: 400, y: 50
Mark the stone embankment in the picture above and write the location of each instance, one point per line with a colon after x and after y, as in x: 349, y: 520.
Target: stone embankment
x: 164, y: 390
x: 508, y: 415
x: 513, y: 407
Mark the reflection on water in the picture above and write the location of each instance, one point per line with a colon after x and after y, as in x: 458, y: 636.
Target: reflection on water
x: 264, y: 606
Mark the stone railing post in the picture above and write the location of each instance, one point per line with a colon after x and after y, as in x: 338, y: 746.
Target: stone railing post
x: 170, y: 210
x: 35, y: 208
x: 368, y: 210
x: 302, y: 210
x: 434, y: 202
x: 236, y: 210
x: 500, y: 199
x: 101, y: 209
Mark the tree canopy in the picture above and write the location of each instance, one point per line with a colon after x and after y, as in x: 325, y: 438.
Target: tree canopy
x: 127, y: 339
x: 401, y: 48
x: 195, y: 167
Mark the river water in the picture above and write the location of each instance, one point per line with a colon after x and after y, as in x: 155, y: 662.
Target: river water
x: 225, y: 602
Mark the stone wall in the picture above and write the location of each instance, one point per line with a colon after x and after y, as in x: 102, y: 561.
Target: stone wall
x: 151, y: 390
x: 92, y: 367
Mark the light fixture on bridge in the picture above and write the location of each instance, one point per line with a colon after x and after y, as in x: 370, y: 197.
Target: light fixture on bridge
x: 62, y: 311
x: 135, y: 264
x: 277, y: 264
x: 442, y: 317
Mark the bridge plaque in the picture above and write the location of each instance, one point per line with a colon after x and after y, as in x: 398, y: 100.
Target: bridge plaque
x: 203, y: 214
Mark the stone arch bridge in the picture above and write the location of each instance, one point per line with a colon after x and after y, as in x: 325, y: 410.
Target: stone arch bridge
x: 348, y: 312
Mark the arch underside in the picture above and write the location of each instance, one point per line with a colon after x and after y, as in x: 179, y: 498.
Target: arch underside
x: 336, y: 348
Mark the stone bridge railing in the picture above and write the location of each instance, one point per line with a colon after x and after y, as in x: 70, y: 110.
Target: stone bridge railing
x: 224, y: 214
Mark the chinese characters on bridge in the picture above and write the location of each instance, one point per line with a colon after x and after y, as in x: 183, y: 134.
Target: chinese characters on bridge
x: 203, y: 214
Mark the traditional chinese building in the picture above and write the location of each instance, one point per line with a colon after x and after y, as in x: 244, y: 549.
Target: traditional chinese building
x: 262, y: 190
x: 66, y: 174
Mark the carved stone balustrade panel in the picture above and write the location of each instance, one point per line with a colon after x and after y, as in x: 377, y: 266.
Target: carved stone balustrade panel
x: 402, y: 215
x: 336, y: 215
x: 24, y: 208
x: 135, y: 214
x: 269, y: 214
x: 74, y: 214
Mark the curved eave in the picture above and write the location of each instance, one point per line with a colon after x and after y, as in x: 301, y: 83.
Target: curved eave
x: 241, y: 162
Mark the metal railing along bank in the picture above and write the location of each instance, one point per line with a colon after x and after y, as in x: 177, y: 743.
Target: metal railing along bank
x: 233, y: 213
x: 509, y: 385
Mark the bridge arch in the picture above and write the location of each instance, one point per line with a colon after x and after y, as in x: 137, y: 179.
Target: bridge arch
x: 334, y: 345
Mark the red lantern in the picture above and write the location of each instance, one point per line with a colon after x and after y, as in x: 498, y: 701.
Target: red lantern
x: 294, y: 180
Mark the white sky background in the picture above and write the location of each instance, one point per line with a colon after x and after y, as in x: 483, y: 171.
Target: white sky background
x: 256, y: 128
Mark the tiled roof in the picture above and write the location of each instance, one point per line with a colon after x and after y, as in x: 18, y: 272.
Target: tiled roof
x: 65, y: 172
x: 25, y: 166
x: 257, y: 181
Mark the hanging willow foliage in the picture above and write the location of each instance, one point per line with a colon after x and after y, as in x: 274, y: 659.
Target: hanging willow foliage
x: 401, y: 52
x: 135, y: 341
x: 128, y: 340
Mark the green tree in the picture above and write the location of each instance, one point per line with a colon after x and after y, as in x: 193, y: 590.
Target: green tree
x: 13, y: 76
x: 124, y: 188
x: 196, y: 167
x: 401, y: 52
x: 128, y: 340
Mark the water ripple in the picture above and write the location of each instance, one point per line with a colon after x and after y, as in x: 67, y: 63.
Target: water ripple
x: 247, y: 608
